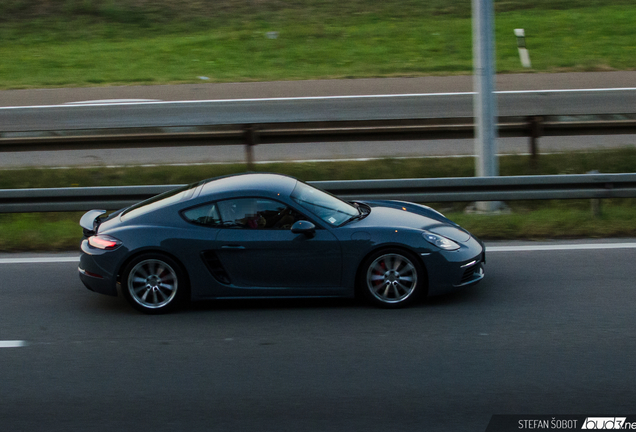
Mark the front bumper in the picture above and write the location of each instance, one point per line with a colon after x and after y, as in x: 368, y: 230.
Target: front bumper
x: 472, y: 272
x: 453, y: 270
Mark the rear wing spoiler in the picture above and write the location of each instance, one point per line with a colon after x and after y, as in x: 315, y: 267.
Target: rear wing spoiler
x: 90, y: 221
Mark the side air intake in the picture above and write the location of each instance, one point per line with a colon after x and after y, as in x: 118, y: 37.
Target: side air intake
x: 213, y: 264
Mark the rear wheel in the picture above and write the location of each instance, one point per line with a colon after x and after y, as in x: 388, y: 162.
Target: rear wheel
x: 392, y: 278
x: 153, y: 283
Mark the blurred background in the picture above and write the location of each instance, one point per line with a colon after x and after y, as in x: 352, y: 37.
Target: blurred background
x: 82, y: 67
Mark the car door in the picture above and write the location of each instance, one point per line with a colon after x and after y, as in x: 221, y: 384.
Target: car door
x: 258, y: 250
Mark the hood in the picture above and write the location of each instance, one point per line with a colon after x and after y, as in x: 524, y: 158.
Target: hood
x: 405, y: 217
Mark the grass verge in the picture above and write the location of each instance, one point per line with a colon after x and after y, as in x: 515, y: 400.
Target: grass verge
x: 527, y: 219
x: 61, y: 232
x: 88, y: 43
x: 621, y: 160
x: 553, y: 220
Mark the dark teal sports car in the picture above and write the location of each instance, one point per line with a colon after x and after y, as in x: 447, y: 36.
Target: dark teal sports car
x: 269, y: 235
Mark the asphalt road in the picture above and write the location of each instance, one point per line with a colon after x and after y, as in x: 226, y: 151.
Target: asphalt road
x: 547, y: 332
x: 301, y: 152
x: 183, y: 105
x: 316, y: 88
x: 24, y: 110
x: 110, y: 114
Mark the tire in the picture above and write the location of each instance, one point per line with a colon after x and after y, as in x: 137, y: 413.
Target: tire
x: 392, y: 278
x: 153, y: 283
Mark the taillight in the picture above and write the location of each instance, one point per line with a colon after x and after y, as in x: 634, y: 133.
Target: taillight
x: 103, y: 241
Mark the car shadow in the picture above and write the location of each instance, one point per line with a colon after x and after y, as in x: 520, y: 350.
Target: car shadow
x: 107, y: 305
x: 467, y: 296
x: 118, y: 305
x: 247, y: 304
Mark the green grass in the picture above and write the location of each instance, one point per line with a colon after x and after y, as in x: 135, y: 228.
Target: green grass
x: 550, y: 220
x: 40, y: 232
x: 527, y: 220
x: 553, y: 219
x: 85, y: 43
x: 61, y: 232
x: 53, y: 43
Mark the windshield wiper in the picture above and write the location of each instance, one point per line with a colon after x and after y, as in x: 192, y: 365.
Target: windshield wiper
x: 360, y: 215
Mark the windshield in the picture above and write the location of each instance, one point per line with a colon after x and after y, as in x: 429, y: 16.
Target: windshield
x: 327, y: 207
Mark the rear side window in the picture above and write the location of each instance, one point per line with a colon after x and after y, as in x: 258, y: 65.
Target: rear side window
x: 160, y: 201
x: 206, y: 214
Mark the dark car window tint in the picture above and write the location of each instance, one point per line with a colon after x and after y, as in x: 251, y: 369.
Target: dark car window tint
x: 160, y: 201
x: 256, y: 213
x: 206, y: 214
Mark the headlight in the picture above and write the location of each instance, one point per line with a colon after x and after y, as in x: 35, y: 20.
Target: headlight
x: 440, y: 241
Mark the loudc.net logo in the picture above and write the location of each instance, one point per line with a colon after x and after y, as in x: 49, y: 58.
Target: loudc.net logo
x: 604, y: 423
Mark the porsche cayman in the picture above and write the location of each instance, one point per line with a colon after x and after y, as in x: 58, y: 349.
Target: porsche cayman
x: 272, y: 236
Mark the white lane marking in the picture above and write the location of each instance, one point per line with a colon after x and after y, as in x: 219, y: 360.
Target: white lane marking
x: 567, y: 90
x: 112, y: 101
x: 12, y: 343
x: 561, y: 247
x: 361, y: 159
x: 309, y: 98
x: 40, y: 260
x: 152, y: 165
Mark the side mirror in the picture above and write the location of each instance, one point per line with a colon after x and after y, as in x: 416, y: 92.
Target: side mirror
x: 304, y: 227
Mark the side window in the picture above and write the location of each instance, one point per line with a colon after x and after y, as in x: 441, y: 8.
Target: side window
x: 206, y: 214
x: 256, y: 213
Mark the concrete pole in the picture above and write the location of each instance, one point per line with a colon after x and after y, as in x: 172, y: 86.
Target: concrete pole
x: 484, y: 102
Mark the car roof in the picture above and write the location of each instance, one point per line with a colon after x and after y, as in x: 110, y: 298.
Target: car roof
x: 250, y: 182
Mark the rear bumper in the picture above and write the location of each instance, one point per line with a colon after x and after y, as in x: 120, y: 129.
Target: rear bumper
x: 97, y: 283
x: 97, y: 270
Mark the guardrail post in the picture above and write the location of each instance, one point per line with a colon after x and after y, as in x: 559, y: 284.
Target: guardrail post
x: 251, y: 139
x: 536, y: 130
x: 595, y: 203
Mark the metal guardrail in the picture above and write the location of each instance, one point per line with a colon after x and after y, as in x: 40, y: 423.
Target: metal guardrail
x: 75, y: 198
x: 575, y: 186
x: 581, y: 186
x: 250, y: 135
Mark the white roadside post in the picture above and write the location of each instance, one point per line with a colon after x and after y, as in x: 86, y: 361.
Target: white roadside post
x: 521, y: 45
x: 484, y: 102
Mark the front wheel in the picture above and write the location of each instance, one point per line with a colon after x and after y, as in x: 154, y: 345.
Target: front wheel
x: 392, y: 278
x: 153, y: 283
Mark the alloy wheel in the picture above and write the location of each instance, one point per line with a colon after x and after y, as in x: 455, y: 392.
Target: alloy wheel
x: 391, y: 278
x: 152, y: 283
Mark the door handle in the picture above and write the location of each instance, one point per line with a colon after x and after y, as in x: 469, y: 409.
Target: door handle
x: 235, y: 247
